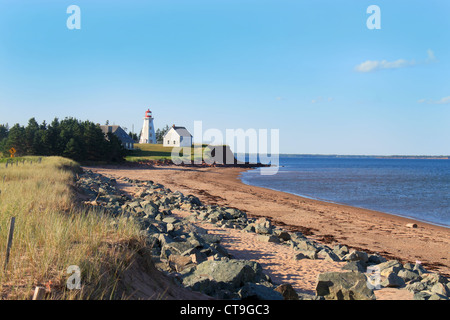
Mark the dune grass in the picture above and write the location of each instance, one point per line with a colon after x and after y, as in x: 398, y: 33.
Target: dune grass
x: 52, y: 233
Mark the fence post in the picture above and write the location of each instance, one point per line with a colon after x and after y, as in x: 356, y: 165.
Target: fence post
x: 39, y: 293
x: 10, y: 239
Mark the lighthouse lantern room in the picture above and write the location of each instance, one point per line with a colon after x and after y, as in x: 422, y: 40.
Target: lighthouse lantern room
x: 148, y: 130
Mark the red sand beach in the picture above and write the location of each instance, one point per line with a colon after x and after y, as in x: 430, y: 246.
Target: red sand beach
x: 329, y: 223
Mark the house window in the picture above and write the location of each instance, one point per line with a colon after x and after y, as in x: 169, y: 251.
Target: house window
x: 174, y: 141
x: 168, y: 141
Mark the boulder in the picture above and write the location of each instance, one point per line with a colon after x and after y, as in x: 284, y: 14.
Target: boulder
x: 440, y: 289
x: 268, y: 238
x: 287, y: 291
x: 357, y: 266
x: 306, y: 245
x: 408, y: 275
x: 305, y: 254
x: 227, y: 274
x: 328, y: 255
x: 283, y: 235
x: 178, y: 262
x: 253, y: 291
x: 416, y: 286
x: 343, y: 286
x: 393, y: 281
x: 389, y: 266
x: 356, y: 256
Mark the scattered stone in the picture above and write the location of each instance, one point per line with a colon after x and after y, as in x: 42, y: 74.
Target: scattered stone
x: 204, y: 265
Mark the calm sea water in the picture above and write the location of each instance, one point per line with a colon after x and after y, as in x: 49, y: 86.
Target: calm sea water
x: 414, y: 188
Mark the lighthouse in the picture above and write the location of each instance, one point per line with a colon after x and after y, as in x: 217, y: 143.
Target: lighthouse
x: 148, y: 130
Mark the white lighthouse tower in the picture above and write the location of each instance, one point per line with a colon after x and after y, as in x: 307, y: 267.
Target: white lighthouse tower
x: 148, y: 130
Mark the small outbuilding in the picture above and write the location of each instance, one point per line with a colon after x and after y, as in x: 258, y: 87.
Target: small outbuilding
x: 126, y: 140
x: 177, y: 137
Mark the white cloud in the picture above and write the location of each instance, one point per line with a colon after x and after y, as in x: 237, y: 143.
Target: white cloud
x: 320, y: 99
x: 373, y: 65
x: 445, y: 100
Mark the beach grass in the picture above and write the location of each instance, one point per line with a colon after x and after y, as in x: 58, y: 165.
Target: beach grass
x: 52, y: 232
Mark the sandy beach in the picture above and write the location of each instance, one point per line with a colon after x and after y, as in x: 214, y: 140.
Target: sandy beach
x: 329, y: 223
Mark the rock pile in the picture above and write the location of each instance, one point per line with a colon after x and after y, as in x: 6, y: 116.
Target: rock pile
x: 198, y: 261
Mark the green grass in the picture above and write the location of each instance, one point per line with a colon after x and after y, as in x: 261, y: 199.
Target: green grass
x: 52, y: 233
x: 146, y: 151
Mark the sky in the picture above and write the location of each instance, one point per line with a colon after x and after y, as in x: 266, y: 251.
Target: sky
x: 311, y: 69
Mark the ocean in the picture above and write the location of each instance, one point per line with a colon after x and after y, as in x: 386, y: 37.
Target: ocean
x: 413, y: 188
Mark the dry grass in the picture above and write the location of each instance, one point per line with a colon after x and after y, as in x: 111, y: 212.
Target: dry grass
x: 53, y: 233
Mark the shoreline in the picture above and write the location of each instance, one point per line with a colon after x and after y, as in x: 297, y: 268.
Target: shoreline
x: 358, y: 228
x: 349, y: 205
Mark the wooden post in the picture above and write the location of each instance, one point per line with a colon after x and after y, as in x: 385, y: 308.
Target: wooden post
x: 10, y: 239
x: 39, y: 293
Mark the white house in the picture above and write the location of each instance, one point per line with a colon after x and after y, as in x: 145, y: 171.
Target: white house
x: 177, y: 137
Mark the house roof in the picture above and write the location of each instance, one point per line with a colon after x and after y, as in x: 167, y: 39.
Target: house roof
x: 182, y: 131
x: 119, y: 132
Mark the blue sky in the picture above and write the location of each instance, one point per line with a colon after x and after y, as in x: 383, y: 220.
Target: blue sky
x: 311, y: 69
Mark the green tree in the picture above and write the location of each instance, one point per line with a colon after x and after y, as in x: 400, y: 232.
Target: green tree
x: 160, y: 133
x: 16, y: 139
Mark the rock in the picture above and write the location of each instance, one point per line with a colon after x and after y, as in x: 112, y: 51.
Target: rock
x: 408, y: 266
x: 210, y: 238
x: 305, y: 254
x: 393, y: 281
x: 408, y: 275
x: 305, y: 245
x: 253, y: 291
x: 197, y: 257
x: 343, y: 286
x: 263, y: 226
x: 357, y: 266
x: 340, y: 250
x: 283, y: 235
x: 440, y: 289
x: 376, y: 259
x: 411, y: 225
x: 356, y: 256
x: 231, y: 274
x: 430, y: 279
x: 171, y: 220
x: 178, y: 262
x: 287, y: 291
x: 416, y: 286
x: 436, y: 296
x: 178, y: 248
x: 389, y: 267
x: 419, y: 269
x: 328, y: 255
x: 423, y: 295
x: 268, y: 238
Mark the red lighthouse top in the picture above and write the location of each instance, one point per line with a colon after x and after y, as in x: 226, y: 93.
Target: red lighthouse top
x: 148, y: 114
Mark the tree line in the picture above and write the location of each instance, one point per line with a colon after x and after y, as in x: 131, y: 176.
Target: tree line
x: 70, y: 138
